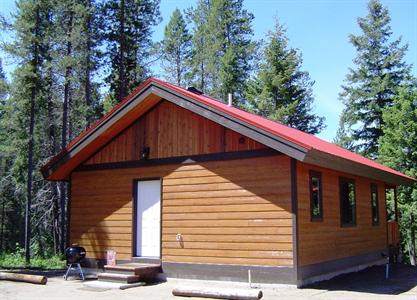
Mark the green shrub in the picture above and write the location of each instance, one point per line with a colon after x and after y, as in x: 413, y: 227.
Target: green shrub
x: 17, y: 260
x: 53, y: 262
x: 12, y: 260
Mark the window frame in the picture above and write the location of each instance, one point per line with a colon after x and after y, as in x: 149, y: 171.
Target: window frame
x: 317, y: 174
x: 346, y: 180
x: 374, y: 188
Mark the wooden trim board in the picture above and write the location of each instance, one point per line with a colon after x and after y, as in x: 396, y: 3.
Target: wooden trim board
x: 180, y: 160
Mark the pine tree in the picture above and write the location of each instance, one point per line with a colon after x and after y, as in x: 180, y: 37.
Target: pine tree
x: 91, y: 58
x: 232, y: 25
x: 4, y: 193
x: 200, y: 43
x: 342, y: 138
x: 30, y: 26
x: 176, y: 49
x: 398, y: 150
x: 371, y: 85
x: 3, y: 85
x: 281, y: 91
x: 55, y: 46
x: 127, y: 29
x: 4, y: 90
x: 64, y: 90
x: 49, y: 139
x: 67, y: 17
x: 223, y: 48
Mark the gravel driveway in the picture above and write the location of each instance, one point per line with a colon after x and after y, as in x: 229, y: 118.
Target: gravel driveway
x: 367, y: 284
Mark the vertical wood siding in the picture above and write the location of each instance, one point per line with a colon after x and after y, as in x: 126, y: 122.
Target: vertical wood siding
x: 169, y: 131
x: 327, y: 240
x: 228, y: 212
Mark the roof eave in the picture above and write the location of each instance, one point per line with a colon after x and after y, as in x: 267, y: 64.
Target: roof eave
x: 322, y: 159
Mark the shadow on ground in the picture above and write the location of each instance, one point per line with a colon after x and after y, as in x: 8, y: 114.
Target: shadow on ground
x: 40, y: 272
x: 372, y: 280
x: 58, y: 273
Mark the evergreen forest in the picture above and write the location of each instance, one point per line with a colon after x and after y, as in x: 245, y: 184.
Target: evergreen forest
x: 75, y: 59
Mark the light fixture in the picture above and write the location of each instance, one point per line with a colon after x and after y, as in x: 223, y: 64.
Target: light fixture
x: 145, y: 152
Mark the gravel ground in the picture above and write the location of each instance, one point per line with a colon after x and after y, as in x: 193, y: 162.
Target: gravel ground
x: 367, y: 284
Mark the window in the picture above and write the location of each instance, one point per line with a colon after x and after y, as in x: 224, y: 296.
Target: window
x: 374, y: 204
x: 316, y: 204
x: 347, y: 202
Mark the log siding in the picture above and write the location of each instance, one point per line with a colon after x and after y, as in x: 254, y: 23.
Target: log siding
x: 228, y: 212
x: 328, y: 240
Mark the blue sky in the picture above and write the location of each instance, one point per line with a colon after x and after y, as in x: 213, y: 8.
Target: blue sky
x: 320, y: 30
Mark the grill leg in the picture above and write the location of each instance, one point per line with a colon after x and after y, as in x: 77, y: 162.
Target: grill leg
x: 77, y: 267
x: 81, y: 272
x: 66, y: 274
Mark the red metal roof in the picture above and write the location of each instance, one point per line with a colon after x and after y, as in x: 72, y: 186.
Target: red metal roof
x: 293, y: 135
x: 296, y: 136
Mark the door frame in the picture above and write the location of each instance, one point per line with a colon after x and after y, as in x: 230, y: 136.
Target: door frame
x: 135, y: 182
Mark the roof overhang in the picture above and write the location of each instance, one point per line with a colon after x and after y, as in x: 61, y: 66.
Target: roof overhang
x: 329, y: 161
x: 151, y: 92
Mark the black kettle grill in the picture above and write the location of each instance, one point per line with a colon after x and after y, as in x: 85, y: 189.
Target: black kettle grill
x: 74, y: 255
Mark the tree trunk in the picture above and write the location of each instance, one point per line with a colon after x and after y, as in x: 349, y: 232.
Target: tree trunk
x: 52, y: 152
x: 87, y: 85
x: 39, y: 240
x: 70, y: 116
x: 178, y: 66
x: 65, y: 126
x: 33, y: 95
x: 122, y: 53
x: 412, y: 243
x: 23, y: 278
x: 2, y: 227
x: 202, y: 77
x: 29, y: 173
x: 218, y: 293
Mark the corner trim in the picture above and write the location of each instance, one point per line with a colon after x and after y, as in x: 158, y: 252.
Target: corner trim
x: 68, y: 233
x: 134, y: 215
x: 294, y: 210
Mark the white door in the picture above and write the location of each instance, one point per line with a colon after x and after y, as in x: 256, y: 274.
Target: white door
x: 148, y: 231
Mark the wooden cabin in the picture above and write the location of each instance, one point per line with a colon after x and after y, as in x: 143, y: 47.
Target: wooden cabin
x: 210, y: 191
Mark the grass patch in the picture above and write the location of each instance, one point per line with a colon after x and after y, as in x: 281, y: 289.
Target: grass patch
x: 17, y: 260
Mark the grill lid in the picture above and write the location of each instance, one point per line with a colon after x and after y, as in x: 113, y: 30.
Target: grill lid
x: 75, y: 254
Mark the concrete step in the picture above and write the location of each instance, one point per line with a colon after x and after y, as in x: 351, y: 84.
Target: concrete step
x: 120, y: 278
x: 142, y: 270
